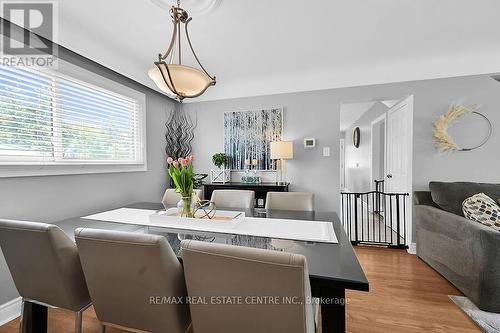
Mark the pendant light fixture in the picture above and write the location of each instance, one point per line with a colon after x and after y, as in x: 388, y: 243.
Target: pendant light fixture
x: 169, y: 74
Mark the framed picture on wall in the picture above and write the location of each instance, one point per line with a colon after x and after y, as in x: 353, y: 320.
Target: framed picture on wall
x: 248, y: 135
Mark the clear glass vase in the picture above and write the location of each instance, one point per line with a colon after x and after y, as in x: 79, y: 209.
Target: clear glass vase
x: 186, y: 206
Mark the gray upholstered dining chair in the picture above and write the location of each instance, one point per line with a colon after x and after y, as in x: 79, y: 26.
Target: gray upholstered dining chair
x: 128, y: 275
x: 250, y: 277
x: 45, y: 267
x: 171, y: 198
x: 303, y: 201
x: 234, y: 198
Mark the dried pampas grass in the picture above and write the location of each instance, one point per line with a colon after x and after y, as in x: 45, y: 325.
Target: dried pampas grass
x: 443, y: 139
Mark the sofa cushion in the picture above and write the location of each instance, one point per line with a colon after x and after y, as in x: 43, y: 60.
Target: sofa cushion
x: 481, y: 208
x: 450, y: 196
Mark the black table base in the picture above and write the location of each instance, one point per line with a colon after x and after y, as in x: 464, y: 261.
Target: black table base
x: 333, y: 312
x: 34, y: 318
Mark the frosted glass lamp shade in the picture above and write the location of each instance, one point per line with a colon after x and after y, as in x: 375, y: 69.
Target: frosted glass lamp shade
x: 155, y: 75
x: 282, y: 150
x: 187, y: 81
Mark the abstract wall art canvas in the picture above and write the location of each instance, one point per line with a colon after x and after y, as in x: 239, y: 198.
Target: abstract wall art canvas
x: 247, y: 137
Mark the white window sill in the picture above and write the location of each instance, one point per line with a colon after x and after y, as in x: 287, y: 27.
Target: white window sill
x: 7, y: 171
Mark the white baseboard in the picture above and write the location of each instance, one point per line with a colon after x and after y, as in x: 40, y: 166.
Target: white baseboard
x: 10, y: 310
x: 412, y: 249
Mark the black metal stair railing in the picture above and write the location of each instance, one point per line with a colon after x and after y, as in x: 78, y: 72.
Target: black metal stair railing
x: 375, y: 217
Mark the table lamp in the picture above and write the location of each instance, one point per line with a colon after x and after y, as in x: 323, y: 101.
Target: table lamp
x: 282, y: 151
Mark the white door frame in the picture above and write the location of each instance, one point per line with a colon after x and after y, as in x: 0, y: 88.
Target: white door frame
x: 342, y: 164
x: 383, y: 118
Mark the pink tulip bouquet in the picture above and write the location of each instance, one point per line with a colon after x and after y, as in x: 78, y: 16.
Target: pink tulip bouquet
x: 182, y: 173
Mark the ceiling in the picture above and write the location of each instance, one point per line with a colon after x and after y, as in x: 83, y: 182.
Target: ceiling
x: 351, y: 112
x: 263, y: 47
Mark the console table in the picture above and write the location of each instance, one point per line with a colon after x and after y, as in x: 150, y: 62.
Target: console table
x: 260, y: 190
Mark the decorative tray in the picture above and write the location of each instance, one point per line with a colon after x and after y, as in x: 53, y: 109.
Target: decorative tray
x: 222, y: 218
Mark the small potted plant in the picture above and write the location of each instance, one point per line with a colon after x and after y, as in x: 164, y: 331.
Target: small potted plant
x: 221, y: 175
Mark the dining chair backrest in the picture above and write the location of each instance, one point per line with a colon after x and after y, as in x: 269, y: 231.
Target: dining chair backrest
x: 234, y: 199
x: 267, y: 291
x: 303, y: 201
x: 134, y: 280
x: 171, y: 198
x: 44, y: 264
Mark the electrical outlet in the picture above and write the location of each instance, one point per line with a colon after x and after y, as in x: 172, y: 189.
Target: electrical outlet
x: 326, y: 151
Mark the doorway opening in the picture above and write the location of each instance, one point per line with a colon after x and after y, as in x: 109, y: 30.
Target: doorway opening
x: 376, y: 170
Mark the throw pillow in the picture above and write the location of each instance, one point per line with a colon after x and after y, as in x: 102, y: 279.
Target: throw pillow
x: 481, y: 208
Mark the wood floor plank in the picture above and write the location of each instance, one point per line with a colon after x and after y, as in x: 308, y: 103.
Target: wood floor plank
x: 406, y: 295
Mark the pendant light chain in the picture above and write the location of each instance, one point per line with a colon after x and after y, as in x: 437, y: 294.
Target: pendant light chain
x: 179, y: 38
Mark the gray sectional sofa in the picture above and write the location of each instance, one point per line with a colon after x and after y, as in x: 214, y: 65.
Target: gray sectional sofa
x: 465, y: 252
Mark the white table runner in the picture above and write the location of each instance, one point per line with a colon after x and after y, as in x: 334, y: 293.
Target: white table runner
x: 310, y: 231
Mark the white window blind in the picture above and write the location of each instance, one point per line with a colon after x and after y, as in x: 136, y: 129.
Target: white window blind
x: 47, y: 118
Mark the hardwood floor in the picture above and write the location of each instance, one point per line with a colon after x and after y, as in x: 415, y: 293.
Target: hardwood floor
x: 405, y: 295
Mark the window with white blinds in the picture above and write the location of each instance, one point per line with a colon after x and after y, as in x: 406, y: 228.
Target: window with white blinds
x: 49, y: 118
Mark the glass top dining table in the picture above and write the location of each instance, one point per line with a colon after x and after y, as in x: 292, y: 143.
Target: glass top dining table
x: 333, y: 267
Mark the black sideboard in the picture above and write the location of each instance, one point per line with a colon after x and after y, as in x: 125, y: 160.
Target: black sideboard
x: 260, y: 190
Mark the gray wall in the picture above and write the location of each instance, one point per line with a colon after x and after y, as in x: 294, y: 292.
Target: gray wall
x: 317, y: 114
x: 358, y: 160
x: 308, y: 114
x: 52, y: 198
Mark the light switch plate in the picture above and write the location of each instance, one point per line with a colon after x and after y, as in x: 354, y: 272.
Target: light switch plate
x: 326, y: 151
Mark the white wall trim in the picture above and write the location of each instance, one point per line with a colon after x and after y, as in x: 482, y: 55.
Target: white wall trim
x: 59, y: 170
x: 10, y: 310
x: 412, y: 249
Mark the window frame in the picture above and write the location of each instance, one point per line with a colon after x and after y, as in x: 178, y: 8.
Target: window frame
x: 93, y: 80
